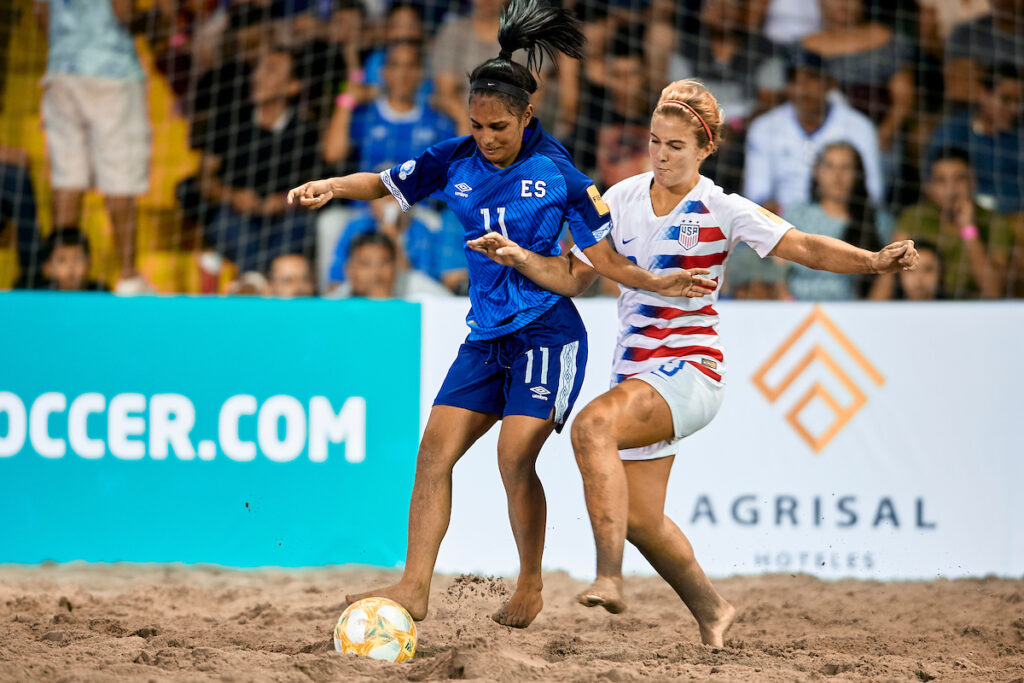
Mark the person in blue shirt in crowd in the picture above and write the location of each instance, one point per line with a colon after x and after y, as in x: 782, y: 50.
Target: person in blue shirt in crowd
x: 392, y: 128
x: 525, y: 355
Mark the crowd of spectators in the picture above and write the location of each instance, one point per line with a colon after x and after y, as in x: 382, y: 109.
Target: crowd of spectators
x: 865, y: 120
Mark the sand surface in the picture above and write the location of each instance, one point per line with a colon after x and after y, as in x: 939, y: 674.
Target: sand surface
x: 126, y: 622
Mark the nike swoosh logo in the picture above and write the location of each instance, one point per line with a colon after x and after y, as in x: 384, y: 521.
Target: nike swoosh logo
x: 629, y: 240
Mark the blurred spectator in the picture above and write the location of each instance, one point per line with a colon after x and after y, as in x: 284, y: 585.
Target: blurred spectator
x: 924, y: 283
x: 374, y: 271
x: 748, y: 276
x: 249, y: 283
x: 403, y: 25
x: 434, y: 251
x: 743, y: 71
x: 260, y: 152
x: 290, y: 276
x: 974, y: 243
x: 840, y: 208
x: 394, y: 127
x: 459, y: 47
x: 987, y: 41
x: 783, y: 143
x: 18, y: 205
x: 871, y: 64
x: 784, y: 22
x: 740, y: 67
x: 614, y: 127
x: 95, y: 115
x: 330, y: 65
x: 991, y: 134
x: 66, y: 267
x: 224, y: 87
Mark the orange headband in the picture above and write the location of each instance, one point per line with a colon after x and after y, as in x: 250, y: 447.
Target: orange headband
x: 694, y: 112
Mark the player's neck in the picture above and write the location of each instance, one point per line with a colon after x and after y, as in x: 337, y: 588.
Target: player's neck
x: 664, y: 198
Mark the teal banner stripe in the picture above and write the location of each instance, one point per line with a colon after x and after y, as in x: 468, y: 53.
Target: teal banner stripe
x: 243, y: 432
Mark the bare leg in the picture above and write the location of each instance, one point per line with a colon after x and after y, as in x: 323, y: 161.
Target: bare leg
x: 122, y: 217
x: 449, y: 434
x: 669, y: 551
x: 518, y: 447
x: 631, y: 414
x: 67, y: 208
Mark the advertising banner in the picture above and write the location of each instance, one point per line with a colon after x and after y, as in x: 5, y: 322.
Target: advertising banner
x: 856, y: 440
x: 243, y: 432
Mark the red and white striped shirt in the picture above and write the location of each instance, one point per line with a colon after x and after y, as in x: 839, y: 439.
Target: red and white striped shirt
x: 698, y: 233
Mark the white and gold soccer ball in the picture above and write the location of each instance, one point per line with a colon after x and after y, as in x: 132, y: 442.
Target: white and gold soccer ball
x: 378, y: 628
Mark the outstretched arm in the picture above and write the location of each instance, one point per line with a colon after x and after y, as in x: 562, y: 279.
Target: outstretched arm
x: 565, y: 275
x: 614, y: 265
x: 827, y: 253
x: 569, y: 276
x: 316, y: 193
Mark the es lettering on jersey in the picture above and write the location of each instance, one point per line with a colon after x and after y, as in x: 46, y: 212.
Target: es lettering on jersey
x: 528, y: 202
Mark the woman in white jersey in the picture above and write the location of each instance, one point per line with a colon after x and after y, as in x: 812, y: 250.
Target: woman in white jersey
x: 667, y: 379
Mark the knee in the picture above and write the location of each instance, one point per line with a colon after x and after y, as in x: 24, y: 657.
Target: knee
x: 643, y: 526
x: 515, y: 466
x: 591, y: 426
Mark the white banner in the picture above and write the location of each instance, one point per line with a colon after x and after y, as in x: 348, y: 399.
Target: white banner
x: 856, y: 440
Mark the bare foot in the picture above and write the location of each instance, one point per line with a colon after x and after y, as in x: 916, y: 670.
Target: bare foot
x: 713, y: 633
x: 605, y: 592
x: 414, y: 601
x: 521, y: 609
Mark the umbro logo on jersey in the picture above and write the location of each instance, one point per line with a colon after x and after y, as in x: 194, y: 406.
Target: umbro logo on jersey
x: 462, y: 190
x: 540, y: 392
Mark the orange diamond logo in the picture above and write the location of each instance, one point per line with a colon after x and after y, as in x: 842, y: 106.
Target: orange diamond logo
x: 842, y: 412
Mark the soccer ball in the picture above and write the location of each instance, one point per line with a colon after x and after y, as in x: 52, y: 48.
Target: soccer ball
x: 378, y: 628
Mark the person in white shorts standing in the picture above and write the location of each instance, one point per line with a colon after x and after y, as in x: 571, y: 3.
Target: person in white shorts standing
x: 669, y: 369
x: 95, y: 116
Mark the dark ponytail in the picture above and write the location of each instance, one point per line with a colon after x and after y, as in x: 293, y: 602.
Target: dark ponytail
x: 540, y: 30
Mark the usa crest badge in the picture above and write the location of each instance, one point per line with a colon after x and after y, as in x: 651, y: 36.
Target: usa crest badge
x: 689, y: 234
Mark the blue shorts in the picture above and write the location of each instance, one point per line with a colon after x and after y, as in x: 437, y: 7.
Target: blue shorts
x: 536, y: 371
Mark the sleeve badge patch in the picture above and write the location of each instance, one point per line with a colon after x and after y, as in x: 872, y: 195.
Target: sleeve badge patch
x: 595, y: 198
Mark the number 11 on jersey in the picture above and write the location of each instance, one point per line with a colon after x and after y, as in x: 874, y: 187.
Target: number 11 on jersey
x: 501, y: 220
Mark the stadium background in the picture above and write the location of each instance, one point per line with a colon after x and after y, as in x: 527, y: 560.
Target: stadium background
x: 889, y: 454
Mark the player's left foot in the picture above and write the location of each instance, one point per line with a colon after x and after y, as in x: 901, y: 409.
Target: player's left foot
x: 413, y: 600
x: 713, y: 633
x: 521, y: 609
x: 606, y: 592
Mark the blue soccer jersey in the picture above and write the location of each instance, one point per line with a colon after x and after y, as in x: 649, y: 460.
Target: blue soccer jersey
x: 386, y: 137
x: 527, y: 202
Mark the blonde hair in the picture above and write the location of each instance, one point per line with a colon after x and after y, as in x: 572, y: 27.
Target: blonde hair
x: 689, y: 98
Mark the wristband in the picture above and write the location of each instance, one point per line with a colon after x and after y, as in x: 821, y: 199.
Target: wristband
x: 969, y: 232
x: 357, y: 76
x: 345, y: 101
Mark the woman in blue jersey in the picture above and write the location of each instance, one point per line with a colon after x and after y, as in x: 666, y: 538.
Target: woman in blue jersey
x: 524, y: 359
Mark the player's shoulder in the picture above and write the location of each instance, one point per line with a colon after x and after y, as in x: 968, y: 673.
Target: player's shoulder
x: 455, y: 148
x: 630, y: 190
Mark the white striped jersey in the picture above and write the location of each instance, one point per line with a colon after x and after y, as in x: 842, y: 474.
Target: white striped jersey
x: 698, y: 233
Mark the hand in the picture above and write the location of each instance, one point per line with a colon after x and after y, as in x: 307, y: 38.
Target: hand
x: 962, y: 212
x: 313, y: 194
x: 897, y: 255
x: 499, y: 249
x: 246, y: 201
x: 685, y: 283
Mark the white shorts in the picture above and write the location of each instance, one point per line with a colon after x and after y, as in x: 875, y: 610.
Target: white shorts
x: 693, y: 397
x: 97, y: 134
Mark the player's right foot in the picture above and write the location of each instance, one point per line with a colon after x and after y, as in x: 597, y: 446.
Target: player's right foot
x: 605, y: 592
x: 414, y: 601
x: 713, y: 633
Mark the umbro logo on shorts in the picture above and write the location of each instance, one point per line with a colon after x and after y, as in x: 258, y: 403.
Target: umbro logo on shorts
x: 540, y: 392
